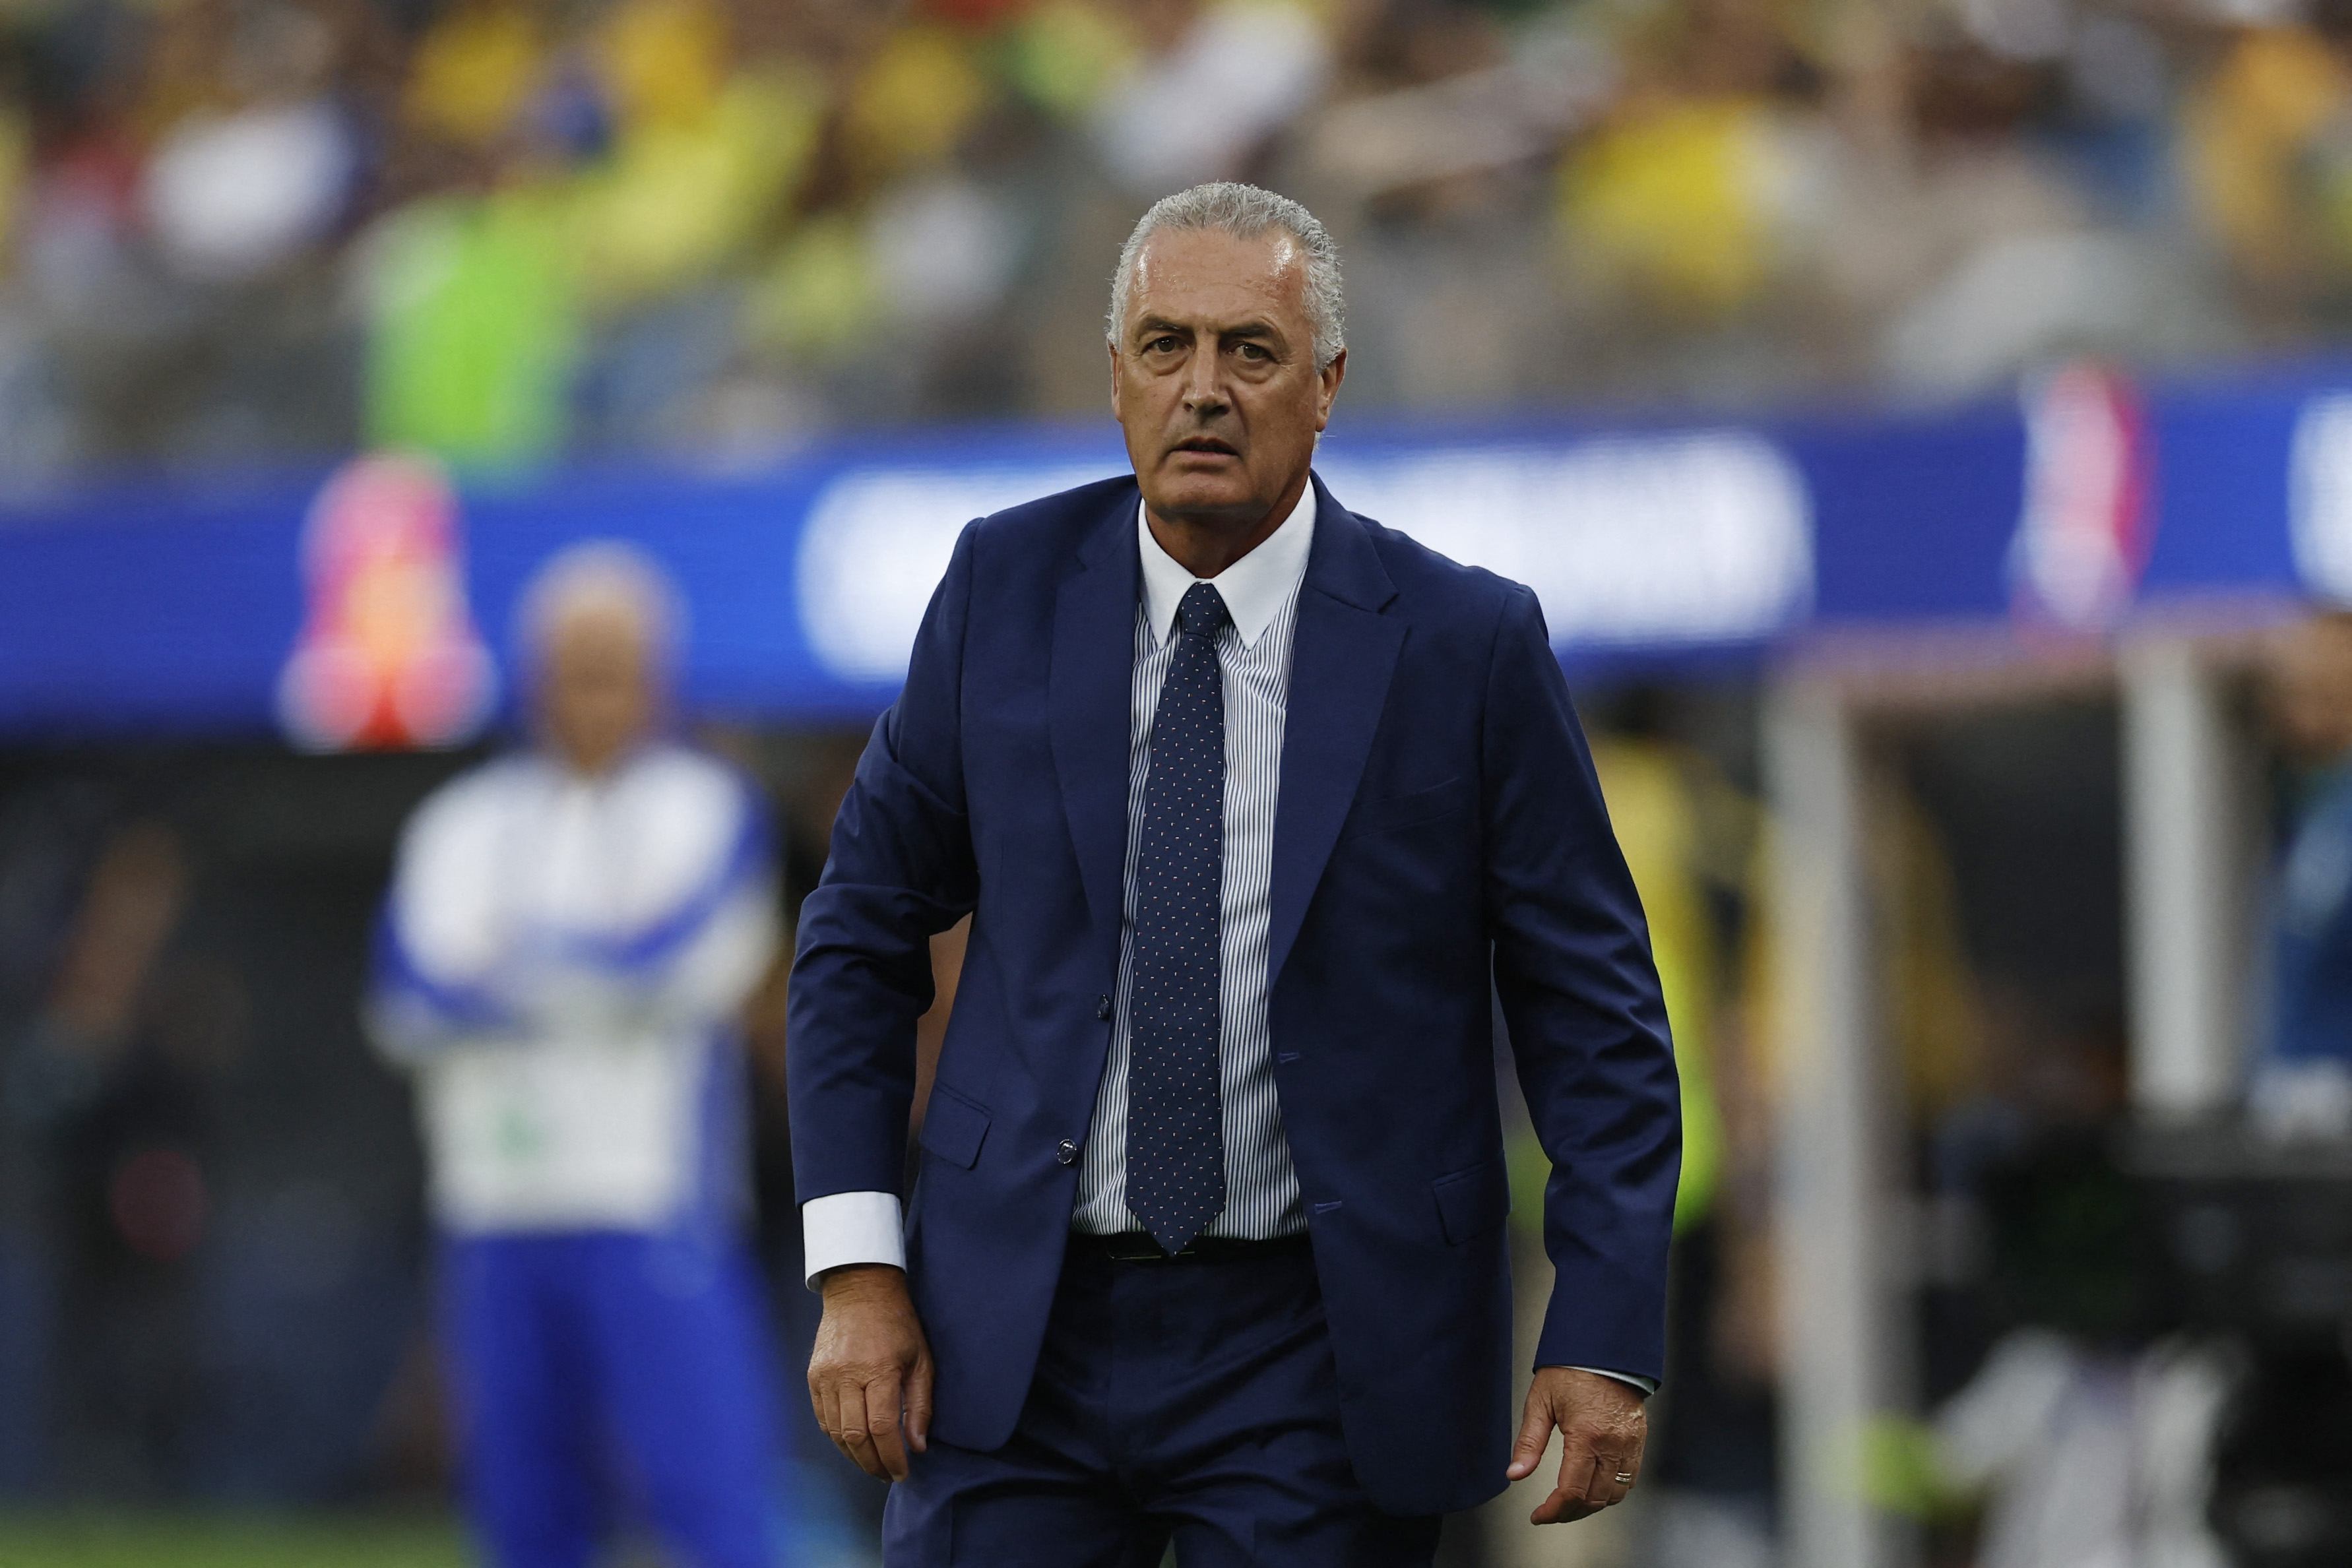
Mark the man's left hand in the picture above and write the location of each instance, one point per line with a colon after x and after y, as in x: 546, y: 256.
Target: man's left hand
x: 1602, y: 1429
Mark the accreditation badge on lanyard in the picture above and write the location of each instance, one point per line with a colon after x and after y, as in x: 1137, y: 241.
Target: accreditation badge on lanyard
x: 567, y: 1131
x: 590, y: 1119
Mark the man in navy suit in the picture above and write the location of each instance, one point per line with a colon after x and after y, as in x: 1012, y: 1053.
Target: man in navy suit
x: 1257, y: 807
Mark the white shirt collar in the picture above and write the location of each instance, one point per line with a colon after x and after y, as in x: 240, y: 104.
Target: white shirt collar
x: 1254, y: 588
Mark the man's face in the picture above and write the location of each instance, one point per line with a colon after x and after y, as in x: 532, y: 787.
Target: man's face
x: 597, y: 694
x: 1213, y: 379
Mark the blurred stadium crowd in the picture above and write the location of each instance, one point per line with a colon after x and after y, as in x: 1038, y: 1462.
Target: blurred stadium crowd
x: 263, y: 230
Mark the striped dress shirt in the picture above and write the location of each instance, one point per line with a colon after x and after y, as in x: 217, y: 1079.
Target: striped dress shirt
x: 1261, y: 595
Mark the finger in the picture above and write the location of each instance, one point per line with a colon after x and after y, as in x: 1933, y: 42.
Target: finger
x: 847, y: 1431
x: 883, y: 1419
x: 1535, y: 1432
x: 1612, y: 1479
x: 852, y: 1435
x: 1629, y: 1467
x: 827, y: 1395
x: 1569, y: 1499
x: 919, y: 1405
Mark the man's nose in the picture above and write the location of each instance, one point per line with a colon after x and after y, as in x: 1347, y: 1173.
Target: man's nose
x: 1204, y: 385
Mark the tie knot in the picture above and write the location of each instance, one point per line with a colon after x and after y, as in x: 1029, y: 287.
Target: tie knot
x: 1202, y: 609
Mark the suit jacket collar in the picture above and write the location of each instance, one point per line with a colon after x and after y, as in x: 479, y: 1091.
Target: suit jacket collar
x: 1344, y: 563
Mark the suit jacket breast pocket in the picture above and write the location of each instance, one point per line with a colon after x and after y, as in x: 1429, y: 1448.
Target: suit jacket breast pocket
x: 954, y: 1126
x: 1411, y: 810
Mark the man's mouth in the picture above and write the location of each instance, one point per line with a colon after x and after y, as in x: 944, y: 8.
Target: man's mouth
x: 1208, y: 444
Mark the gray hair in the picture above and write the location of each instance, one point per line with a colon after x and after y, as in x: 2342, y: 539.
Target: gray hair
x: 1246, y: 212
x: 601, y: 575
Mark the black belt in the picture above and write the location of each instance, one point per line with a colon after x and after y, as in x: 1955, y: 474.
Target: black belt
x: 1138, y: 1246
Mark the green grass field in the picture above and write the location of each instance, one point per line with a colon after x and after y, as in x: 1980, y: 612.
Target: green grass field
x: 229, y: 1541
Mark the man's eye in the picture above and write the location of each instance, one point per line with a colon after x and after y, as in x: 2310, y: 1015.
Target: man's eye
x: 1160, y: 345
x: 1255, y: 351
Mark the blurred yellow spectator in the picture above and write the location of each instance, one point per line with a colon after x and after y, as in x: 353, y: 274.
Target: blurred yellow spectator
x: 680, y: 196
x: 2249, y: 131
x: 1065, y: 54
x: 1931, y: 1002
x: 475, y: 70
x: 1671, y: 206
x: 818, y: 298
x: 1652, y: 807
x: 663, y: 62
x: 913, y: 102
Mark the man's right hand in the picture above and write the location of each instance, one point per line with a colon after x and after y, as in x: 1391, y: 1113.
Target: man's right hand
x: 870, y: 1378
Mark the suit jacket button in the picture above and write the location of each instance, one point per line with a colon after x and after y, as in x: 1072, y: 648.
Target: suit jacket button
x: 1066, y: 1151
x: 1102, y: 1008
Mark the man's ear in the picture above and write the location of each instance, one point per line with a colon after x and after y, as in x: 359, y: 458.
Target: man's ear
x: 1329, y: 376
x: 1112, y: 349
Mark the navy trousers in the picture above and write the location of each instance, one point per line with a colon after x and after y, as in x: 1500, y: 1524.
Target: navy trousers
x: 600, y: 1375
x: 1193, y: 1402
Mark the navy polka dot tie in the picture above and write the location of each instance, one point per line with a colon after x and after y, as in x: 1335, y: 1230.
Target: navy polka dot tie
x: 1175, y: 1122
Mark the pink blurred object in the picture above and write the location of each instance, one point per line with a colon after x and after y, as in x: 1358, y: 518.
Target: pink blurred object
x: 388, y: 658
x: 2083, y: 533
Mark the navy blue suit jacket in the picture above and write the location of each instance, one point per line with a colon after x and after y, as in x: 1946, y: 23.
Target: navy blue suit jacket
x: 1440, y: 840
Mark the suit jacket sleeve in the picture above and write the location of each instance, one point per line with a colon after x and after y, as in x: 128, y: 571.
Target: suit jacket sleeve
x: 901, y: 869
x: 1588, y: 1024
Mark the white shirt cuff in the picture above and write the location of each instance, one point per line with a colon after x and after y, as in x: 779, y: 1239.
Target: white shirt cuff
x: 851, y: 1227
x: 1648, y: 1385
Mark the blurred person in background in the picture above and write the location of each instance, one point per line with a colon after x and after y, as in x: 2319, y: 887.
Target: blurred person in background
x: 110, y: 1094
x: 1208, y: 1225
x: 2302, y: 1087
x: 570, y: 934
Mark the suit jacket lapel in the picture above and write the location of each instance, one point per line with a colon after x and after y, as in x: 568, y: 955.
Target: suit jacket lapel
x: 1088, y: 702
x: 1343, y: 651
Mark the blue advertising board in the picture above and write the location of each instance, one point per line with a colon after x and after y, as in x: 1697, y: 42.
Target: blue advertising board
x: 166, y: 609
